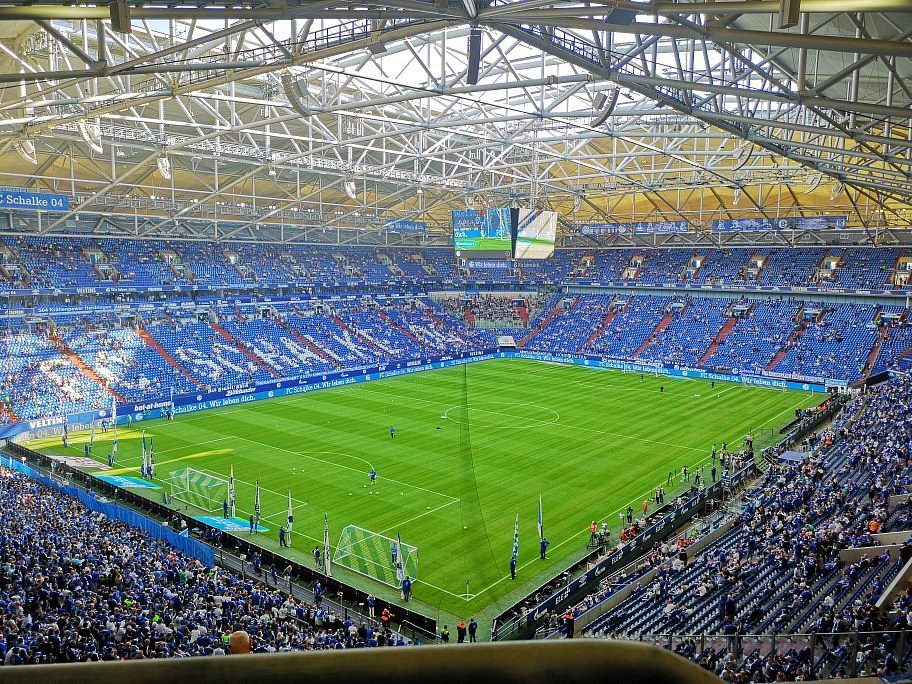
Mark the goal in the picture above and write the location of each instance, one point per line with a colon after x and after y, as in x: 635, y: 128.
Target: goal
x: 370, y: 554
x: 203, y: 490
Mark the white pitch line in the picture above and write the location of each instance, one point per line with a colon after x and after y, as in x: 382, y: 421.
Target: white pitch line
x: 131, y: 459
x: 306, y: 454
x: 406, y: 522
x: 558, y: 424
x: 253, y: 484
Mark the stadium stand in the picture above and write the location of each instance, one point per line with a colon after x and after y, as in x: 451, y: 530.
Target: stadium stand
x: 780, y: 565
x: 144, y: 345
x: 80, y: 587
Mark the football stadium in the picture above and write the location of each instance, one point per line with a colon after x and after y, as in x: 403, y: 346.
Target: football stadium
x: 518, y: 341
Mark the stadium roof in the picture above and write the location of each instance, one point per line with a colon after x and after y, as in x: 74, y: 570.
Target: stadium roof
x: 215, y: 117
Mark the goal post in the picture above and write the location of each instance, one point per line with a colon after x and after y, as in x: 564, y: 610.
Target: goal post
x: 371, y: 554
x: 203, y: 490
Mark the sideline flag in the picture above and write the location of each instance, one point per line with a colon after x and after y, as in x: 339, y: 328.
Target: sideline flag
x: 231, y: 492
x: 400, y: 571
x: 326, y: 568
x: 541, y: 529
x: 66, y: 434
x: 151, y: 458
x: 290, y: 519
x: 145, y: 465
x: 92, y: 436
x: 256, y: 502
x: 516, y: 537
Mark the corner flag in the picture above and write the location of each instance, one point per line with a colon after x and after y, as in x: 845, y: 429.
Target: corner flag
x: 541, y: 529
x: 145, y: 464
x: 290, y: 519
x: 516, y: 537
x: 326, y: 568
x: 231, y: 500
x: 92, y: 436
x: 151, y: 458
x: 400, y: 571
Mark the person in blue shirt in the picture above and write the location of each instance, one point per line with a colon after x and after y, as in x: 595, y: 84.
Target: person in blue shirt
x: 282, y: 541
x: 392, y: 432
x: 110, y: 459
x: 252, y: 524
x: 407, y: 588
x: 225, y: 508
x: 473, y: 628
x: 513, y: 568
x: 543, y: 547
x: 373, y: 476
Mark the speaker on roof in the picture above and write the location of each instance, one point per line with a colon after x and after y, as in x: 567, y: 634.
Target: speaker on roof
x: 294, y: 95
x: 120, y: 16
x: 474, y: 55
x: 605, y: 103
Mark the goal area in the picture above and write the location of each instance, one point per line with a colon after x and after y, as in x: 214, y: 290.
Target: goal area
x: 203, y: 490
x: 371, y: 554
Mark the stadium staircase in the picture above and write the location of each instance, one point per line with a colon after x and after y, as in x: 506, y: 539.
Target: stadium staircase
x: 11, y: 416
x: 393, y: 324
x: 146, y: 337
x: 582, y: 268
x: 80, y: 364
x: 724, y: 331
x: 523, y: 315
x: 794, y: 337
x: 358, y: 336
x: 245, y: 351
x: 182, y: 272
x: 237, y: 312
x: 882, y: 335
x: 439, y: 321
x: 896, y: 266
x: 555, y: 311
x: 606, y: 321
x: 307, y: 343
x: 664, y: 323
x: 469, y: 316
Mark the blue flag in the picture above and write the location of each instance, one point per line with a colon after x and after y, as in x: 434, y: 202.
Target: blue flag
x: 541, y: 528
x: 516, y: 537
x: 400, y: 571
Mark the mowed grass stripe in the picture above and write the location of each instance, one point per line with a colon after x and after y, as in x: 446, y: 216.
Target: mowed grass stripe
x: 615, y: 439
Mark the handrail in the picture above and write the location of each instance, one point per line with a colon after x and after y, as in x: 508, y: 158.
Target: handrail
x: 581, y: 661
x: 53, y: 468
x: 678, y: 518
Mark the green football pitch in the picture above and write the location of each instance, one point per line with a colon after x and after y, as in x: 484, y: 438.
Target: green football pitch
x: 475, y: 447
